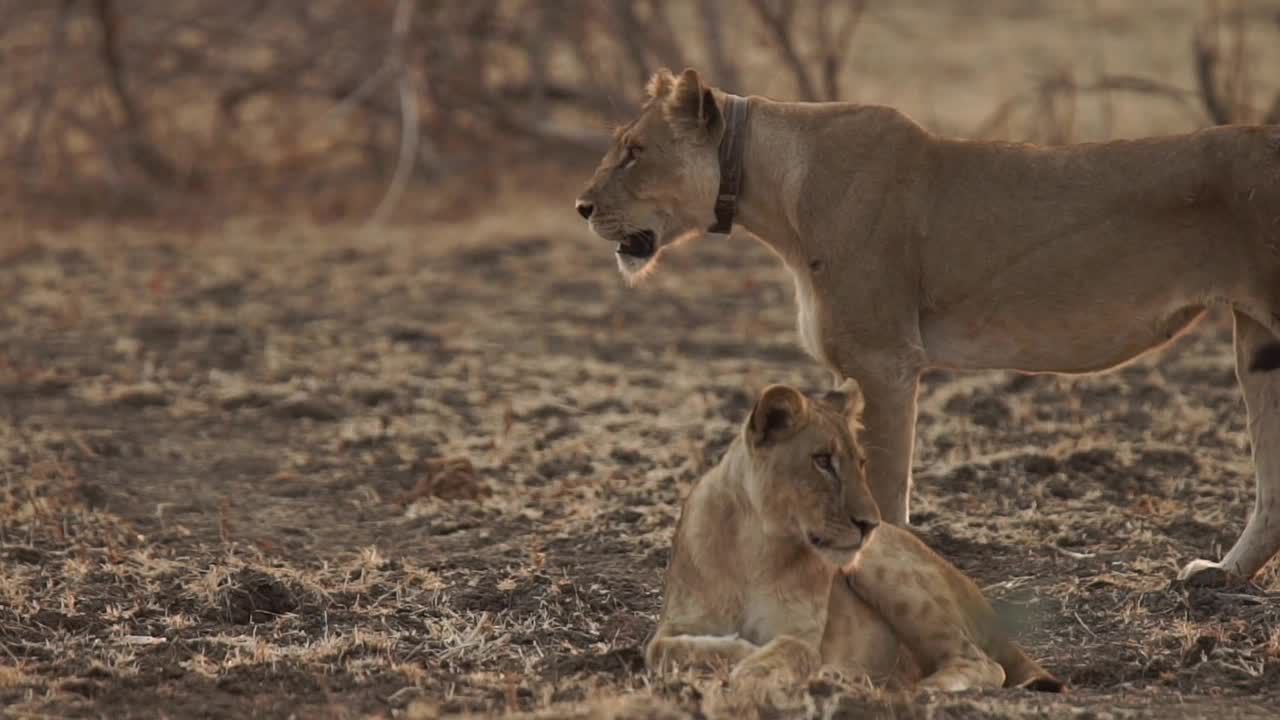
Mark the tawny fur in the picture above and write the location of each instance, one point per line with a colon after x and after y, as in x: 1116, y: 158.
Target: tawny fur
x: 773, y: 572
x: 912, y: 251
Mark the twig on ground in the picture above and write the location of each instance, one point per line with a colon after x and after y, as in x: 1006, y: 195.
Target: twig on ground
x: 1072, y: 554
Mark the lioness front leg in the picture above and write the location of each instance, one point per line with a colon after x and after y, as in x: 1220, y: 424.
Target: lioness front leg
x: 1261, y: 537
x: 670, y: 652
x: 889, y: 422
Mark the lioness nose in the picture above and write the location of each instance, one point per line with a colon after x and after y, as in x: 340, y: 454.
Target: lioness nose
x: 585, y: 209
x: 865, y: 526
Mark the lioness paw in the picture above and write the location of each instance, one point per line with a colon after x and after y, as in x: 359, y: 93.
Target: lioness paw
x: 1206, y: 573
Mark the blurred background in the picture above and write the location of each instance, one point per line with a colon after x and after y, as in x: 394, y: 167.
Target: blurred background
x: 137, y: 107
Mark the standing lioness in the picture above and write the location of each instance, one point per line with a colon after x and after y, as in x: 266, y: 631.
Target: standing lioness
x: 911, y: 251
x: 777, y: 568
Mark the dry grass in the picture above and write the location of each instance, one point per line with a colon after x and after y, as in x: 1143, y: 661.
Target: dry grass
x: 437, y: 470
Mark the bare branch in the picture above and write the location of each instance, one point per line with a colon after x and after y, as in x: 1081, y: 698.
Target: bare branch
x: 600, y: 92
x: 44, y: 101
x: 778, y: 24
x: 662, y: 38
x: 400, y: 25
x: 1205, y: 54
x: 1107, y: 83
x: 231, y: 99
x: 723, y: 71
x: 630, y: 31
x: 834, y: 48
x: 348, y: 101
x: 137, y: 145
x: 535, y: 42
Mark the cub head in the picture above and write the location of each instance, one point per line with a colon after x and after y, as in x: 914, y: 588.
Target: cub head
x: 807, y: 474
x: 659, y: 180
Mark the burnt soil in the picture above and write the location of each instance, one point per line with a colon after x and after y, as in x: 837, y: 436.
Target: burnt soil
x: 275, y: 469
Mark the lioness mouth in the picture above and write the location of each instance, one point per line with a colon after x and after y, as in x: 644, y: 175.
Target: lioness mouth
x: 638, y: 244
x: 824, y: 544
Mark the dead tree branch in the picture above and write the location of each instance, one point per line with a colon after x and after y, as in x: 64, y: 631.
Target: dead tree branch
x: 48, y: 88
x: 1206, y: 60
x: 1231, y: 104
x: 137, y: 144
x: 778, y: 19
x: 630, y: 33
x: 535, y: 41
x: 723, y: 72
x: 409, y: 133
x: 833, y: 47
x: 662, y: 38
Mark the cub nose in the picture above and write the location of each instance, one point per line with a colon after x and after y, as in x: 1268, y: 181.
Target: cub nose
x: 585, y: 209
x: 865, y: 526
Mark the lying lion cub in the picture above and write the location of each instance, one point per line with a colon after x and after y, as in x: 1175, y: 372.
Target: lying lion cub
x: 780, y: 565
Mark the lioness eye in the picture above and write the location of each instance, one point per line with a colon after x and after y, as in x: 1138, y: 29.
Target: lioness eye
x: 630, y: 155
x: 823, y: 461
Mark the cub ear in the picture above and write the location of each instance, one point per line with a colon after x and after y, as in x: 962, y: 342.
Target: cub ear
x: 776, y: 415
x: 848, y: 401
x: 692, y: 106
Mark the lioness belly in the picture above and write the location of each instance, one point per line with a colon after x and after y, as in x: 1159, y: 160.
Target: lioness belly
x: 1060, y: 337
x: 1096, y: 253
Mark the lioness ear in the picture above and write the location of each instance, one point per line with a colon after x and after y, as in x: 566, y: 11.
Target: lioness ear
x: 692, y: 105
x: 775, y: 416
x: 847, y: 400
x: 660, y: 84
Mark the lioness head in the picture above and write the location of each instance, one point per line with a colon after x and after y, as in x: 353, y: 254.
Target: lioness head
x: 658, y: 182
x: 807, y: 474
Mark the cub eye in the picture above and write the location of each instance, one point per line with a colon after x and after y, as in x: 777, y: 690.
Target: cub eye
x: 824, y: 462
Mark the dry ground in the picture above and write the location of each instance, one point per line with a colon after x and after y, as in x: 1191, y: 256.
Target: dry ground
x: 279, y: 468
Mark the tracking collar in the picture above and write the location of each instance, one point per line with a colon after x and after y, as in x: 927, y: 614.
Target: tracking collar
x: 732, y: 145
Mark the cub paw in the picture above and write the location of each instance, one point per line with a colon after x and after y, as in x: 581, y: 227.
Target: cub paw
x: 943, y: 682
x: 758, y: 673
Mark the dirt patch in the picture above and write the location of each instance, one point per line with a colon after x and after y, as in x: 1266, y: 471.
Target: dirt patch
x: 252, y: 596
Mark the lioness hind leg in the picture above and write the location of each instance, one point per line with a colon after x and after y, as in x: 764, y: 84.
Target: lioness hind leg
x: 1260, y: 382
